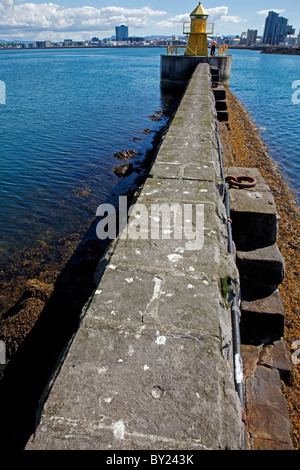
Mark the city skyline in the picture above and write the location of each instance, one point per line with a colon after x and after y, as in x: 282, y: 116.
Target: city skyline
x: 83, y: 19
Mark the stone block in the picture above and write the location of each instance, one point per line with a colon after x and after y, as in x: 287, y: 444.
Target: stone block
x: 276, y: 356
x: 250, y: 356
x: 191, y: 308
x: 263, y: 266
x: 182, y: 191
x: 253, y: 212
x: 146, y: 390
x: 202, y: 171
x: 174, y: 256
x: 267, y: 413
x: 221, y: 105
x: 204, y: 153
x: 264, y: 368
x: 262, y: 320
x: 223, y: 116
x: 219, y: 93
x: 237, y: 171
x: 214, y: 71
x: 254, y: 218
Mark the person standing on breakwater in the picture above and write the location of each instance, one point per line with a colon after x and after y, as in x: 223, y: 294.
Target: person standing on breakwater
x: 213, y: 48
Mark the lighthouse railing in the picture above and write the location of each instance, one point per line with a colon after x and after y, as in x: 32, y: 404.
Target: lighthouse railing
x: 176, y: 50
x: 210, y: 27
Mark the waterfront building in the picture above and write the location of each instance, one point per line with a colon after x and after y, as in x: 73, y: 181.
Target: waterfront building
x: 251, y: 37
x: 292, y: 40
x: 290, y: 30
x: 276, y: 29
x: 136, y: 40
x: 243, y: 39
x: 122, y: 33
x: 43, y: 44
x: 270, y: 25
x: 280, y: 30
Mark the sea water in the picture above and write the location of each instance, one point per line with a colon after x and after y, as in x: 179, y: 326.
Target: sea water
x: 67, y: 112
x: 265, y: 84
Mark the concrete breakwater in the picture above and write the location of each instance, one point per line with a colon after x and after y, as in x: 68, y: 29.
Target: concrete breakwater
x: 177, y: 70
x: 151, y: 365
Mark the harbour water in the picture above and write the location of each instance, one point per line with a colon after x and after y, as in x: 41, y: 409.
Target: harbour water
x: 264, y: 84
x: 68, y: 112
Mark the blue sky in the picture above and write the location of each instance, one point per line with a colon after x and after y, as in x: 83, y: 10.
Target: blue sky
x: 82, y: 19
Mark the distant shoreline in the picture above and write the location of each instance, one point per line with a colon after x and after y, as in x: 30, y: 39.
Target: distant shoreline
x: 80, y: 47
x: 283, y: 50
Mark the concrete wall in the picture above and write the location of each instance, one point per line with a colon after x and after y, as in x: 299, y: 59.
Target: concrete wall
x: 151, y: 364
x: 176, y: 71
x: 223, y: 63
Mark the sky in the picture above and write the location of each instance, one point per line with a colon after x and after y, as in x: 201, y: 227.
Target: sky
x: 83, y: 19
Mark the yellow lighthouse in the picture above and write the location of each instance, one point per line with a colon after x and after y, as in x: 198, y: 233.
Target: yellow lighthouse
x: 198, y: 31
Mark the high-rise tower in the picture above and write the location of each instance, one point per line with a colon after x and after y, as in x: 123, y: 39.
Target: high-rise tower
x: 276, y: 29
x: 121, y: 33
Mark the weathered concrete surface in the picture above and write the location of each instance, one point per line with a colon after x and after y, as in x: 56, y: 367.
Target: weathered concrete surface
x: 151, y: 364
x: 176, y: 71
x: 269, y: 426
x: 224, y: 64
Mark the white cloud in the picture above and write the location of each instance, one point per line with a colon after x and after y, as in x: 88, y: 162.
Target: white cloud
x: 174, y: 21
x: 233, y: 19
x: 266, y: 12
x: 215, y: 14
x: 52, y: 21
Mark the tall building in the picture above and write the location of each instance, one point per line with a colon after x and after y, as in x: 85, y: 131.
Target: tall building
x: 270, y: 25
x: 243, y: 39
x: 251, y: 37
x: 276, y: 29
x: 280, y: 30
x: 122, y: 33
x: 290, y: 30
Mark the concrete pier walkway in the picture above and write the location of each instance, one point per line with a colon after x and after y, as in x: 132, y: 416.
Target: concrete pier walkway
x: 151, y: 364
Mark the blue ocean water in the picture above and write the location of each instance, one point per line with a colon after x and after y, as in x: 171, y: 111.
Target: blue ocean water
x: 68, y: 112
x: 263, y: 83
